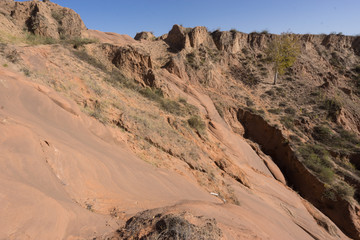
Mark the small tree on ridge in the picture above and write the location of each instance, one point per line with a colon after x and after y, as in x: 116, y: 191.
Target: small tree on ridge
x: 283, y: 52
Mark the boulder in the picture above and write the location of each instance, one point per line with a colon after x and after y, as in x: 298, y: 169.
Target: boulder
x: 144, y: 36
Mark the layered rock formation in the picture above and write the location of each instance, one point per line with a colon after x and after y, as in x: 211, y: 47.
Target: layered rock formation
x: 44, y: 18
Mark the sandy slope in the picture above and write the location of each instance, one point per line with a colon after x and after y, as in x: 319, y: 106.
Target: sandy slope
x: 52, y: 164
x: 57, y: 165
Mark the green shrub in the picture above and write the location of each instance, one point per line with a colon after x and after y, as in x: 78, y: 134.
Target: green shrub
x: 348, y: 136
x: 26, y: 72
x: 12, y: 56
x: 344, y: 190
x: 340, y: 141
x: 295, y: 138
x: 318, y: 160
x: 78, y: 42
x: 340, y: 189
x: 356, y: 69
x: 322, y: 134
x: 179, y: 108
x: 333, y: 106
x: 270, y: 92
x: 197, y: 123
x: 245, y: 51
x: 172, y: 107
x: 275, y: 110
x: 84, y: 56
x: 191, y: 60
x: 287, y: 121
x: 33, y: 39
x: 154, y: 95
x: 290, y: 110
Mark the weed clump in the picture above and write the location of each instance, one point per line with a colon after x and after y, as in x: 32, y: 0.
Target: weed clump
x: 318, y: 160
x: 287, y: 121
x: 340, y: 141
x: 322, y: 134
x: 333, y: 107
x: 84, y: 56
x: 340, y: 190
x: 34, y: 39
x: 197, y: 123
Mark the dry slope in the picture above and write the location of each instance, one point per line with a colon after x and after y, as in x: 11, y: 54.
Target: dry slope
x: 97, y: 131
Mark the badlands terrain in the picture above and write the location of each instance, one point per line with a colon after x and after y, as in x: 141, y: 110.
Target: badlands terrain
x: 181, y: 136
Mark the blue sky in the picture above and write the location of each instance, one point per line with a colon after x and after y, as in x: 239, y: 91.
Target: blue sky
x: 276, y: 16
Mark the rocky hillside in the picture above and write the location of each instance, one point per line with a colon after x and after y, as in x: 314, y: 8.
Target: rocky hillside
x: 179, y: 136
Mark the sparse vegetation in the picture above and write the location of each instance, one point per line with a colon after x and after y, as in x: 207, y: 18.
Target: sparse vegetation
x: 98, y: 112
x: 274, y: 110
x: 84, y: 56
x: 318, y: 160
x: 248, y: 78
x: 287, y: 121
x: 290, y: 111
x: 179, y: 108
x: 78, y: 42
x: 191, y: 60
x: 197, y: 123
x: 12, y: 55
x: 322, y: 134
x: 33, y: 39
x: 26, y: 71
x: 336, y: 61
x: 57, y: 16
x: 333, y: 107
x: 341, y: 189
x: 340, y: 141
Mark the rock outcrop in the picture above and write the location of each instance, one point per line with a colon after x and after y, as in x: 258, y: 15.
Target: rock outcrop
x: 44, y: 18
x: 199, y: 36
x: 144, y: 36
x: 178, y: 38
x: 342, y: 212
x: 134, y: 63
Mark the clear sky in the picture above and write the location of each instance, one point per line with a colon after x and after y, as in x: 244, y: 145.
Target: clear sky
x: 276, y: 16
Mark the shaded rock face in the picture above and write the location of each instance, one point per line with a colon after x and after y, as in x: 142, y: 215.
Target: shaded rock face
x: 132, y: 62
x: 144, y: 36
x: 172, y: 67
x: 177, y: 38
x: 153, y: 225
x: 45, y: 19
x: 275, y: 145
